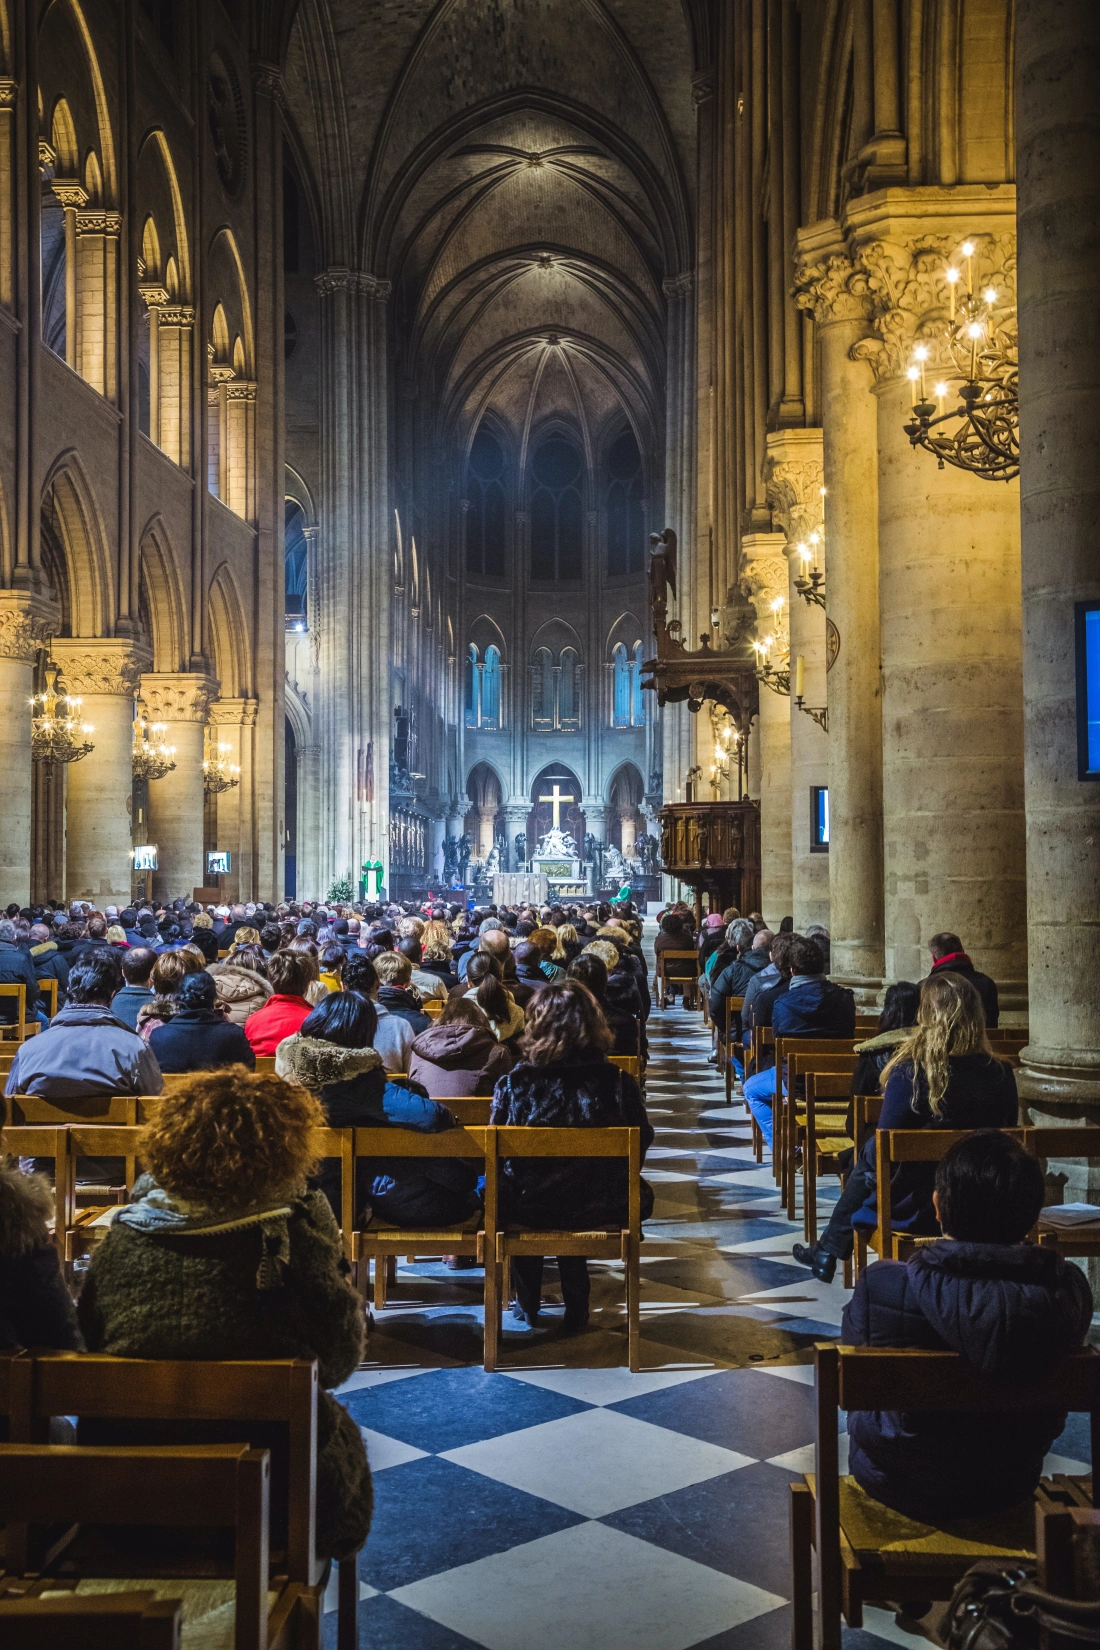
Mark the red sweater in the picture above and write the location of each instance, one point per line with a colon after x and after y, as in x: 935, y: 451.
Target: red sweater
x: 279, y: 1017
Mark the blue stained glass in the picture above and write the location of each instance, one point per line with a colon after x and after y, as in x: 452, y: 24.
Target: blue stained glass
x: 1092, y: 687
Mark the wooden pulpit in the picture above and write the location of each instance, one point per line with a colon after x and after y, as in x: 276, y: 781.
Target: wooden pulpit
x: 715, y: 848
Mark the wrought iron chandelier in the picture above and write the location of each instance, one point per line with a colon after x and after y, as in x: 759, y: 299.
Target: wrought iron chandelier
x: 730, y: 756
x: 978, y: 363
x: 218, y: 773
x: 58, y: 729
x: 809, y: 580
x: 773, y: 654
x: 152, y: 757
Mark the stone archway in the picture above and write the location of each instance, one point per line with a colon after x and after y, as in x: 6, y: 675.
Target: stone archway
x: 570, y: 814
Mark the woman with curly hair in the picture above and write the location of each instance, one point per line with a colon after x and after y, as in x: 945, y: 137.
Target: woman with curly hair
x: 565, y: 1080
x: 223, y: 1253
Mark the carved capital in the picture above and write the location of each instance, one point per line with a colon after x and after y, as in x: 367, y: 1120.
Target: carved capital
x: 177, y: 315
x: 832, y: 289
x: 8, y: 92
x: 70, y: 192
x: 105, y: 665
x: 678, y: 286
x: 240, y: 389
x: 99, y: 223
x: 794, y: 468
x: 26, y: 624
x: 177, y: 697
x: 233, y: 713
x: 764, y: 574
x: 155, y: 295
x: 267, y: 78
x: 702, y: 88
x: 341, y: 279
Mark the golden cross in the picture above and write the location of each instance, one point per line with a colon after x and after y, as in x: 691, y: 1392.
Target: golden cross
x: 557, y: 799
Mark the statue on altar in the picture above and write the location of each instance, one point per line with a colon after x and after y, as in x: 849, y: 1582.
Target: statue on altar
x: 616, y: 869
x: 646, y: 848
x: 520, y: 846
x: 495, y: 858
x: 556, y: 844
x: 465, y: 848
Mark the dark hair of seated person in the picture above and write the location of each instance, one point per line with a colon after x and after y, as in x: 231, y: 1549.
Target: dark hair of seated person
x: 270, y: 936
x: 591, y: 971
x: 481, y: 966
x: 291, y: 972
x: 96, y: 978
x: 564, y: 1022
x: 462, y: 1008
x: 252, y: 958
x: 899, y: 1006
x: 332, y: 958
x: 988, y: 1189
x: 527, y: 955
x: 359, y: 974
x: 381, y: 940
x: 344, y: 1018
x: 806, y: 956
x: 197, y: 991
x: 137, y: 964
x: 410, y: 947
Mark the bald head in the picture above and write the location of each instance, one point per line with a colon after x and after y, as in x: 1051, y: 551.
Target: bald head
x: 765, y: 937
x: 495, y: 941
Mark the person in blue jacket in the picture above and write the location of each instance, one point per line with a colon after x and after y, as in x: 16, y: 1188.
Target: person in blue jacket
x: 811, y: 1006
x: 332, y: 1053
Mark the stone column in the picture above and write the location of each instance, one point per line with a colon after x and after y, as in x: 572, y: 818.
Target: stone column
x: 308, y: 827
x: 764, y: 577
x: 949, y: 594
x: 839, y: 300
x: 97, y: 235
x: 105, y: 675
x: 515, y: 824
x: 1058, y: 173
x: 176, y: 801
x: 627, y: 824
x: 26, y: 623
x: 793, y: 472
x: 435, y: 847
x: 233, y: 723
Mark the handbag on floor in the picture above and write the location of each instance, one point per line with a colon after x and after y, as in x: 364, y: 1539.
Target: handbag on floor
x: 998, y: 1607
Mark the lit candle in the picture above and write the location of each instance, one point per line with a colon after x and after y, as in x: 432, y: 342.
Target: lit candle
x: 921, y: 355
x: 952, y: 278
x: 968, y: 254
x: 799, y: 676
x: 815, y: 540
x: 913, y: 374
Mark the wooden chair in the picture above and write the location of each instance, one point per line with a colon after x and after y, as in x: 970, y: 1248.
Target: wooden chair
x: 762, y: 1037
x: 275, y: 1393
x: 223, y: 954
x: 265, y: 1063
x: 96, y: 1621
x: 470, y: 1109
x: 21, y: 1029
x: 500, y: 1245
x: 677, y: 968
x: 867, y: 1108
x: 630, y: 1063
x: 382, y: 1244
x: 43, y: 1142
x: 433, y: 1007
x: 96, y: 1140
x: 866, y: 1552
x: 909, y: 1146
x: 734, y: 1006
x: 821, y: 1152
x: 217, y: 1485
x: 792, y: 1113
x: 1082, y: 1142
x: 784, y: 1047
x: 48, y: 989
x: 106, y: 1108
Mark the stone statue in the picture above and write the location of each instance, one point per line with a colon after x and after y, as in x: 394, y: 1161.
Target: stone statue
x: 662, y: 574
x: 450, y: 857
x: 557, y: 844
x: 616, y: 866
x: 495, y: 856
x: 594, y: 851
x: 645, y: 847
x: 520, y: 846
x: 465, y: 848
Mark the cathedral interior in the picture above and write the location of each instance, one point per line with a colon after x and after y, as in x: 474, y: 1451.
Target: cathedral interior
x: 440, y: 435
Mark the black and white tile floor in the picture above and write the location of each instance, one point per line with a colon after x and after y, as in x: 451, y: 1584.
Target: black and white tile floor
x: 565, y: 1504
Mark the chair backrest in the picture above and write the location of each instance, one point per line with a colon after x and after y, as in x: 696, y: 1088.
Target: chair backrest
x: 90, y: 1621
x: 107, y: 1108
x: 19, y: 992
x: 686, y: 965
x: 508, y: 1142
x: 48, y: 989
x: 177, y: 1080
x: 197, y: 1486
x: 266, y: 1063
x: 867, y: 1108
x: 433, y: 1007
x: 1083, y: 1141
x: 827, y: 1085
x: 93, y: 1386
x: 630, y: 1063
x: 349, y: 1144
x: 786, y: 1046
x: 910, y: 1146
x: 106, y: 1140
x: 470, y: 1109
x: 799, y: 1064
x: 43, y: 1142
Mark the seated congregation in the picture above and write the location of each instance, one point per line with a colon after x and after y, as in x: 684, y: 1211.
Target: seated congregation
x: 253, y: 1131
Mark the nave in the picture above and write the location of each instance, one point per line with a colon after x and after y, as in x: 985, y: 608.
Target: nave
x: 565, y: 1504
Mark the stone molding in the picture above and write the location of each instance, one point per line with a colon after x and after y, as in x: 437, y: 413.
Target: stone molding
x: 832, y: 289
x: 267, y: 80
x: 794, y: 470
x: 110, y: 666
x: 341, y: 279
x: 99, y: 223
x: 679, y: 286
x: 702, y: 88
x: 9, y: 90
x: 70, y: 192
x: 27, y: 623
x: 154, y: 294
x: 177, y: 315
x: 177, y: 697
x: 233, y: 713
x: 240, y: 389
x: 764, y: 573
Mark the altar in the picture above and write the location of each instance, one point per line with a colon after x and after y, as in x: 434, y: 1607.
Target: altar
x: 557, y: 858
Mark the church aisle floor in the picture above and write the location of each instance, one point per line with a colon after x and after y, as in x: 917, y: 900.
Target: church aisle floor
x: 565, y: 1504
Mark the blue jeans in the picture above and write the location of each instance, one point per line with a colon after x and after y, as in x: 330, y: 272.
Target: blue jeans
x: 759, y: 1092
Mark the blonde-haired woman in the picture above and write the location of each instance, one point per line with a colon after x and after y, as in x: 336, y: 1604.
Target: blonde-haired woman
x: 943, y: 1076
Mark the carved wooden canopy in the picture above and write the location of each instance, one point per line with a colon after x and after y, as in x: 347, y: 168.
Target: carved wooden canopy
x: 727, y: 677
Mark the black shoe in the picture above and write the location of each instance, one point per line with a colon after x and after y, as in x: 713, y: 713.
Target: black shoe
x: 575, y: 1320
x: 822, y: 1266
x: 522, y: 1319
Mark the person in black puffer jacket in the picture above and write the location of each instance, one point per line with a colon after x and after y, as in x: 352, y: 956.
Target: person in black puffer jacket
x: 198, y: 1037
x: 565, y: 1080
x: 592, y: 972
x: 1010, y: 1308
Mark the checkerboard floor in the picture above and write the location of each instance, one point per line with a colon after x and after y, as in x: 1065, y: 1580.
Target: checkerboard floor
x: 565, y: 1504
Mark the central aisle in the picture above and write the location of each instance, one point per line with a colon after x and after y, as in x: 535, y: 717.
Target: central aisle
x: 565, y: 1504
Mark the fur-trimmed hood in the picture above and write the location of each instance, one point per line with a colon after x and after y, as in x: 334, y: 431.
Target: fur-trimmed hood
x: 315, y: 1064
x: 26, y: 1208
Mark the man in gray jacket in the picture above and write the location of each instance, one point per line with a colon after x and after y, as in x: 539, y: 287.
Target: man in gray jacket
x: 86, y: 1051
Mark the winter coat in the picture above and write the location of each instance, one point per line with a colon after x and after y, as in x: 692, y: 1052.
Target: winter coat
x: 959, y: 963
x: 170, y: 1283
x: 762, y: 981
x: 16, y: 969
x: 35, y: 1306
x: 280, y: 1017
x: 443, y: 972
x: 400, y: 1000
x: 47, y: 963
x: 428, y: 985
x: 84, y: 1051
x: 815, y: 1007
x: 352, y: 1086
x: 207, y: 942
x: 457, y: 1058
x: 531, y: 978
x: 731, y: 982
x: 980, y: 1094
x: 393, y: 1039
x: 240, y: 991
x: 127, y: 1004
x: 1012, y: 1310
x: 874, y: 1056
x: 200, y: 1039
x: 580, y: 1193
x: 505, y: 1031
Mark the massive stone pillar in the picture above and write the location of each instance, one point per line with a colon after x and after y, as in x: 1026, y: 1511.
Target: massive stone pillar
x: 949, y: 594
x: 1058, y: 173
x: 234, y: 724
x: 837, y: 296
x: 26, y: 623
x: 794, y: 481
x: 176, y: 801
x: 764, y: 576
x: 515, y: 824
x: 105, y: 675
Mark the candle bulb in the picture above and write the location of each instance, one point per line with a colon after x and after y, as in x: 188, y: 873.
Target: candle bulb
x: 952, y: 280
x: 968, y: 254
x: 920, y: 354
x: 799, y: 676
x: 913, y: 376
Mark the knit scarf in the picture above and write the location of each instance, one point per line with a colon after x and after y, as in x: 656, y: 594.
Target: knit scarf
x: 158, y: 1213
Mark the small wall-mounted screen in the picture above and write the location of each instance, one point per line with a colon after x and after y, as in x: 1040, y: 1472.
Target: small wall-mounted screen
x: 145, y: 857
x: 217, y: 863
x: 1088, y: 690
x: 819, y: 819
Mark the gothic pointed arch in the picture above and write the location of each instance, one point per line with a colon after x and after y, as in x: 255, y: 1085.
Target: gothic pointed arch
x: 229, y: 635
x: 74, y: 519
x: 160, y: 598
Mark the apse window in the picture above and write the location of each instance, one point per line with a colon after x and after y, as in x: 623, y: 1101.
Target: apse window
x: 819, y: 819
x: 556, y: 512
x: 1088, y: 690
